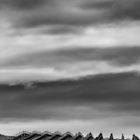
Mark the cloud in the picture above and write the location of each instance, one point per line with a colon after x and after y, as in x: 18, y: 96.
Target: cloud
x: 99, y: 96
x: 68, y: 63
x: 60, y: 30
x: 51, y: 57
x: 118, y: 56
x: 23, y: 4
x: 97, y: 4
x: 119, y: 10
x: 93, y: 43
x: 108, y: 101
x: 68, y: 13
x: 128, y: 10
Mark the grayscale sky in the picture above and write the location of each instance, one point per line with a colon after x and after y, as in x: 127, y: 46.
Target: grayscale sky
x: 70, y: 65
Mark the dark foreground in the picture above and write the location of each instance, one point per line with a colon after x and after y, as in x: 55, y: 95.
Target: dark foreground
x: 60, y: 136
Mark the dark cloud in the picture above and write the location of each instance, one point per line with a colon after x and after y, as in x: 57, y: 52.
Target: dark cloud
x: 118, y: 9
x: 95, y: 4
x: 56, y: 18
x: 23, y: 4
x: 61, y: 12
x: 71, y: 99
x: 126, y: 10
x: 118, y: 56
x: 63, y: 99
x: 57, y: 30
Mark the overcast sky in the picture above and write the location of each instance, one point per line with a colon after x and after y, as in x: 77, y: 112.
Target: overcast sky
x: 70, y: 65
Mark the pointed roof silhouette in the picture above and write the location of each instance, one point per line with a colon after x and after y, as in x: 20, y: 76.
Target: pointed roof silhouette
x: 122, y: 137
x: 78, y: 136
x: 66, y: 135
x: 111, y: 137
x: 46, y: 135
x: 55, y: 136
x: 100, y: 137
x: 89, y: 136
x: 33, y: 136
x: 21, y: 136
x: 134, y: 137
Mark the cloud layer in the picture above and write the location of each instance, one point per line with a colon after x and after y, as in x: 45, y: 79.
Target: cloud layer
x: 107, y: 91
x: 70, y: 64
x: 118, y: 56
x: 31, y: 13
x: 113, y: 98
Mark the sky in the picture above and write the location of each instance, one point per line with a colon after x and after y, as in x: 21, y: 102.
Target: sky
x: 70, y: 65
